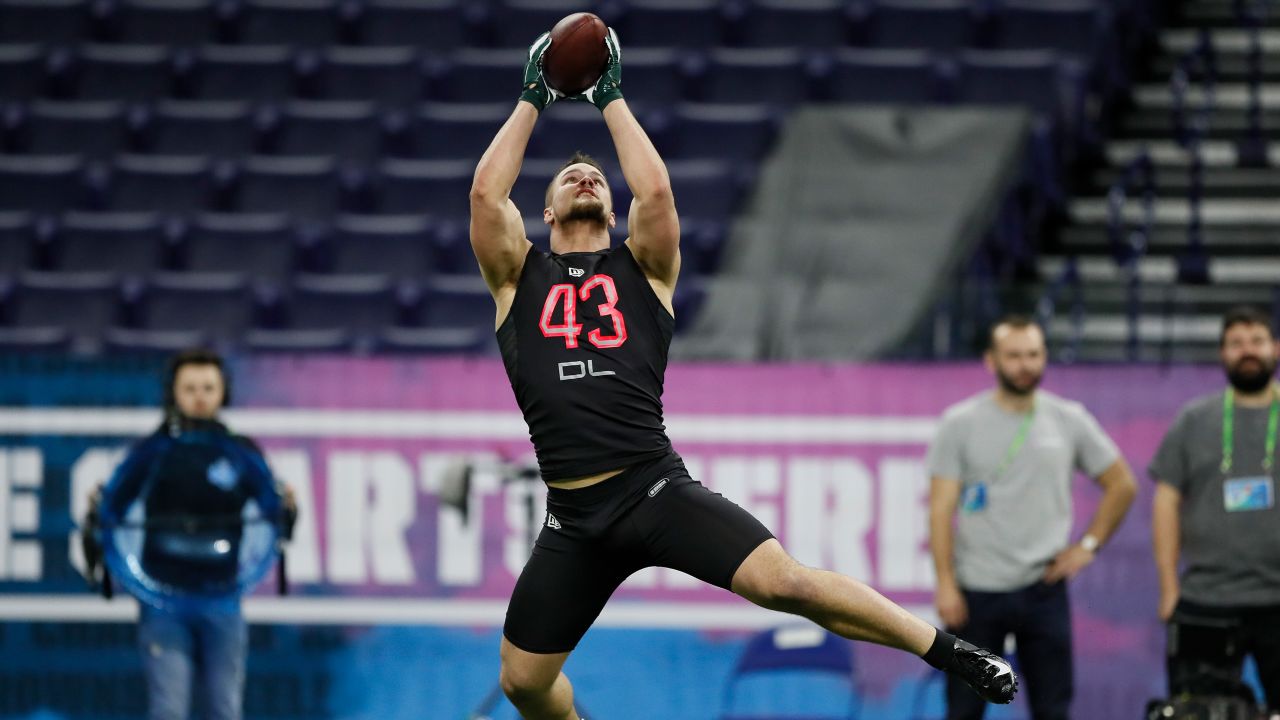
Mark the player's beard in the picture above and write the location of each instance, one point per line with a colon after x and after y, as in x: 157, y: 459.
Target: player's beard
x: 1013, y: 387
x: 1251, y: 374
x: 587, y: 208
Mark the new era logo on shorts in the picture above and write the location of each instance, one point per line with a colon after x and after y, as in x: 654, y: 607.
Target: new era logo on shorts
x: 552, y: 522
x: 657, y: 487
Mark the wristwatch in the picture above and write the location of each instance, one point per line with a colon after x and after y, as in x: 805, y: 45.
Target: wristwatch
x: 1090, y: 543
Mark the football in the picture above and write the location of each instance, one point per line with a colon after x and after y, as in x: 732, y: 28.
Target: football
x: 577, y: 54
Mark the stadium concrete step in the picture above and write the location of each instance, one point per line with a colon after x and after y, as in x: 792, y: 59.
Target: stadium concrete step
x: 1217, y: 182
x: 1152, y: 327
x: 1063, y: 348
x: 1247, y: 212
x: 1234, y: 95
x: 1213, y: 153
x: 1232, y: 67
x: 1223, y: 15
x: 1225, y: 40
x: 1245, y: 271
x: 1091, y: 239
x: 1161, y: 338
x: 1240, y: 212
x: 1224, y: 123
x: 1112, y: 298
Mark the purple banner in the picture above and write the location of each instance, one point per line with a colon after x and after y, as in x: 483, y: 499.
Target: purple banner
x: 830, y: 457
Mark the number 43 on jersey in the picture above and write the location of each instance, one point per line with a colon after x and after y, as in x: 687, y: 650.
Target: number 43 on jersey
x: 565, y: 297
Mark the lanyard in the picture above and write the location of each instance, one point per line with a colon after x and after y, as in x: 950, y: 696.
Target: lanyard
x: 1229, y: 429
x: 1019, y: 438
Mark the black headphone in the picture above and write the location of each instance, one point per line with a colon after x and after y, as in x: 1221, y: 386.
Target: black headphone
x: 196, y: 356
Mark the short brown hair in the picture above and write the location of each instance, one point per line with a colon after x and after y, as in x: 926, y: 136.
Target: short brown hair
x: 577, y: 157
x: 194, y: 356
x: 1244, y: 315
x: 1014, y: 322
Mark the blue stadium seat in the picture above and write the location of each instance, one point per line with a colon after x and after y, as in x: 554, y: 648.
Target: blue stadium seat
x: 708, y: 189
x: 229, y: 72
x: 458, y: 301
x: 263, y: 245
x: 18, y: 240
x: 307, y: 187
x: 885, y: 76
x: 529, y: 193
x: 167, y: 22
x: 659, y: 75
x: 1013, y: 77
x: 159, y: 342
x: 781, y: 667
x: 221, y: 128
x: 701, y: 246
x: 776, y: 75
x: 455, y: 130
x: 55, y: 22
x: 1075, y: 27
x: 795, y: 23
x: 400, y: 246
x: 477, y: 76
x: 691, y: 291
x: 515, y: 23
x: 569, y: 127
x: 621, y: 194
x: 35, y: 340
x: 435, y: 24
x: 362, y: 304
x: 41, y: 183
x: 81, y: 303
x: 350, y: 131
x: 123, y: 243
x: 220, y: 304
x: 93, y: 129
x: 24, y: 71
x: 122, y: 72
x: 947, y: 25
x: 453, y: 246
x: 693, y: 24
x: 730, y: 132
x: 389, y: 75
x: 430, y: 341
x: 275, y: 340
x: 293, y: 22
x: 438, y: 187
x: 160, y: 183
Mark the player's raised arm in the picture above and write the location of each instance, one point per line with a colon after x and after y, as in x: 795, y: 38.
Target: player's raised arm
x: 653, y: 223
x: 497, y: 229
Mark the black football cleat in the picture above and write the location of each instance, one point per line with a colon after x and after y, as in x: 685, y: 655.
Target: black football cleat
x: 990, y: 675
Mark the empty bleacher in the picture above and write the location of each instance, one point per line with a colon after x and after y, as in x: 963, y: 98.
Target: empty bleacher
x: 298, y: 170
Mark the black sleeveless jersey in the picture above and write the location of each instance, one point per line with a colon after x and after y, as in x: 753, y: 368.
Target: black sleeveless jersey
x: 585, y: 346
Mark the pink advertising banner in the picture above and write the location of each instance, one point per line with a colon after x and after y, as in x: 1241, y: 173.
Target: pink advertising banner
x: 830, y: 457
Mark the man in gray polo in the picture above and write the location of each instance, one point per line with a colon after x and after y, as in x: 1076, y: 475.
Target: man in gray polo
x: 1215, y: 510
x: 1005, y: 460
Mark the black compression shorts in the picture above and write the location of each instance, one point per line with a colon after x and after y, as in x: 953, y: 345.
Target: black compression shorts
x: 593, y: 538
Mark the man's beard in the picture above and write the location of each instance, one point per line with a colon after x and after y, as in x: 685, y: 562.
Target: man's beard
x: 1010, y: 386
x: 1251, y: 379
x: 590, y: 209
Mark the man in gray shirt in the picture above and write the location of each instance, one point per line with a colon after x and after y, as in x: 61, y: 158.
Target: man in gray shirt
x: 1215, y: 507
x: 1005, y: 460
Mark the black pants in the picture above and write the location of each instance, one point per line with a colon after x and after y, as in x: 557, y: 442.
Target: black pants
x: 650, y: 514
x: 1222, y: 646
x: 1039, y: 617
